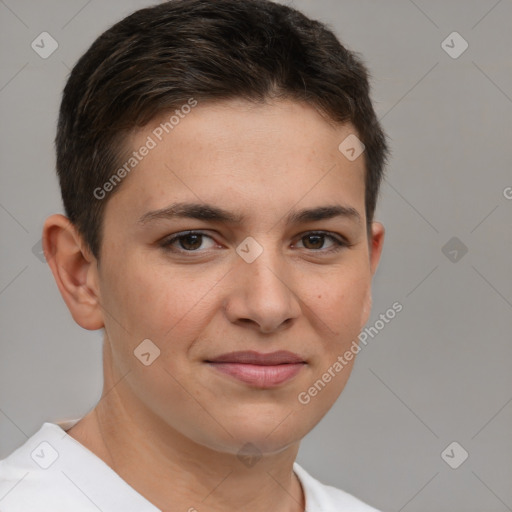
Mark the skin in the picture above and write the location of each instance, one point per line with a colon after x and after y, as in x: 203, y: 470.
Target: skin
x: 173, y: 429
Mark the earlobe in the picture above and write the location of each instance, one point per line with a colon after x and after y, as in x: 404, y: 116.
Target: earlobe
x: 74, y: 270
x: 376, y: 242
x: 376, y: 245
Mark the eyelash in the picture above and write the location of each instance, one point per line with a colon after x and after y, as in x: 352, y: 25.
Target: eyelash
x: 339, y: 243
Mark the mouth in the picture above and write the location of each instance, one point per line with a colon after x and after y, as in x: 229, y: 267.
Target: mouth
x: 257, y: 369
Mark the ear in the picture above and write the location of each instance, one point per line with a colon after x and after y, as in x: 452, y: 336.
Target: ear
x: 74, y: 269
x: 375, y: 244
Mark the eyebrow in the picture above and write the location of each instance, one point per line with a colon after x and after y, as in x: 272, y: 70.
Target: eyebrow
x: 210, y: 212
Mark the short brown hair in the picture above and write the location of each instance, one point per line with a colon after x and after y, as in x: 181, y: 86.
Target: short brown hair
x: 156, y: 59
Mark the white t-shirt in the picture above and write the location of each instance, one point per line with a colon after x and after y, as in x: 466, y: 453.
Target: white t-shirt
x: 52, y: 472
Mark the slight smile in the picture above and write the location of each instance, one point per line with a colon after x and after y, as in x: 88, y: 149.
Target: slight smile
x: 259, y: 370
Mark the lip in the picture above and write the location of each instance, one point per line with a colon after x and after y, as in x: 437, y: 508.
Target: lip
x: 257, y: 358
x: 257, y: 369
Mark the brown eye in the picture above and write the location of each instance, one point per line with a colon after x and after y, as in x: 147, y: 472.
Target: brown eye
x: 187, y: 242
x: 316, y: 242
x: 190, y: 242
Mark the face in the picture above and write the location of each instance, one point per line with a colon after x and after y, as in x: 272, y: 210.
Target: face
x: 242, y: 230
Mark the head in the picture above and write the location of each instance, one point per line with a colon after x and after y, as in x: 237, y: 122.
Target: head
x: 229, y: 119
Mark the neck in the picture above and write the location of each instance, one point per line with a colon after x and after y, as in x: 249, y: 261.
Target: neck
x: 175, y: 473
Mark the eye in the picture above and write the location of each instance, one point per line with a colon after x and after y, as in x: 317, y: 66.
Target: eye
x: 193, y: 242
x: 189, y: 241
x: 315, y: 241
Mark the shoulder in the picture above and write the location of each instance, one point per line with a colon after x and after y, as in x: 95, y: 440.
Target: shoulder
x: 26, y: 474
x: 325, y: 498
x: 52, y: 472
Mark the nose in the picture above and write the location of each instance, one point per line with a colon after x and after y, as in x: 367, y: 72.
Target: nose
x: 262, y: 295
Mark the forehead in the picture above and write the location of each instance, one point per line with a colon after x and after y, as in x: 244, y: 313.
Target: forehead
x: 240, y: 153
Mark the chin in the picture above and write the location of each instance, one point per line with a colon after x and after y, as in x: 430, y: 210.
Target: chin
x: 255, y: 433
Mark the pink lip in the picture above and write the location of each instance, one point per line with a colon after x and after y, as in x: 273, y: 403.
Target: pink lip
x: 259, y: 370
x: 257, y: 358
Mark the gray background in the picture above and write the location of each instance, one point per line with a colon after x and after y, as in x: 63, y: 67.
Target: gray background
x: 440, y: 371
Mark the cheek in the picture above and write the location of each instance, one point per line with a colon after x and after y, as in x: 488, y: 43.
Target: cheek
x: 145, y: 297
x: 340, y: 305
x: 341, y: 301
x: 169, y: 308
